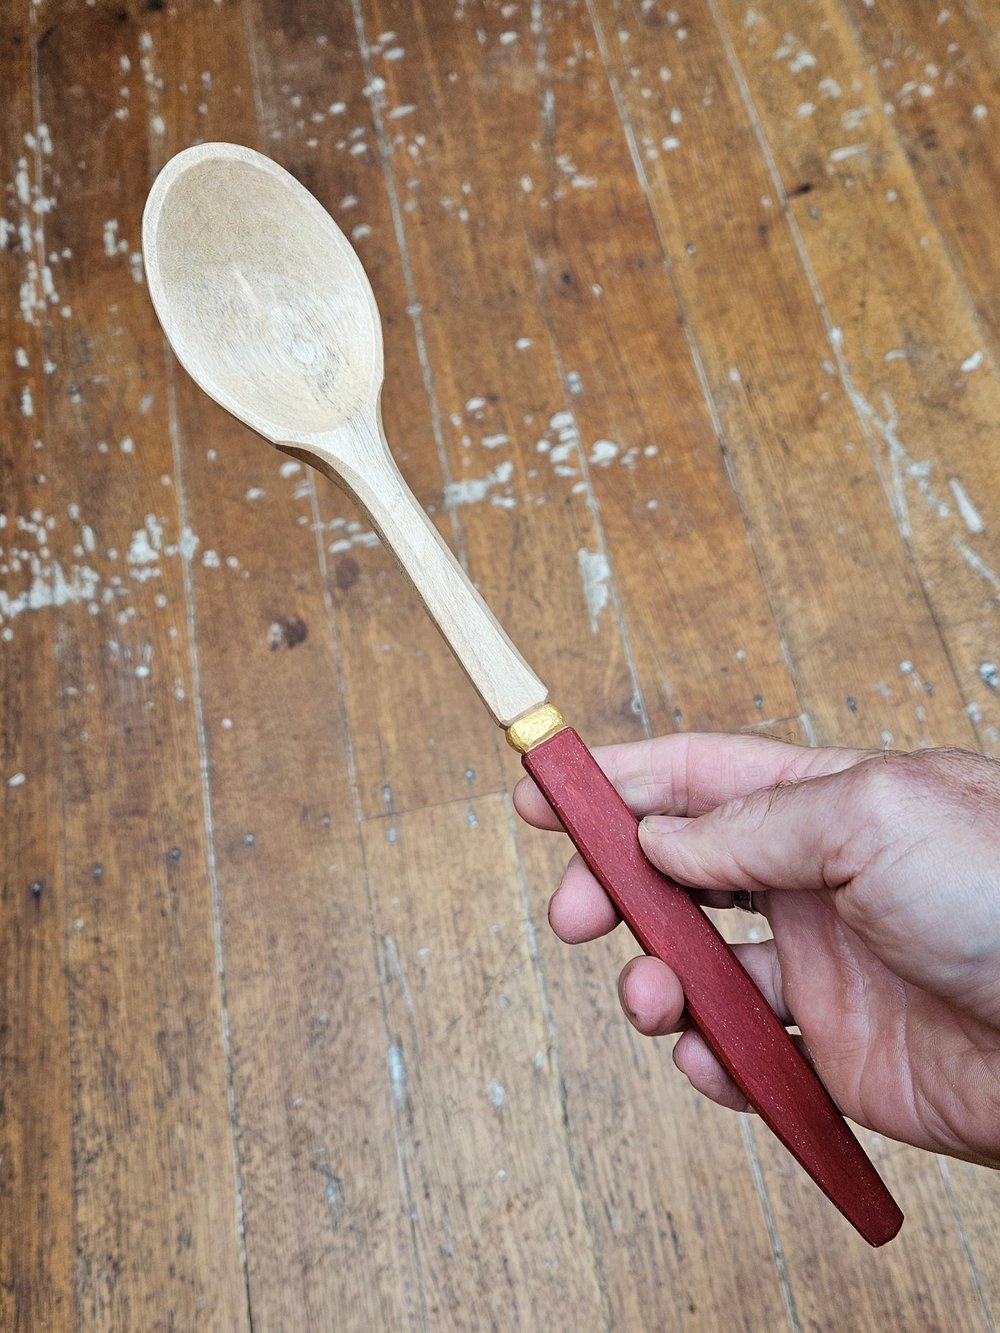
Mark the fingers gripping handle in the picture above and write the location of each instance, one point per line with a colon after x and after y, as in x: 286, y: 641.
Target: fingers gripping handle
x: 724, y: 1003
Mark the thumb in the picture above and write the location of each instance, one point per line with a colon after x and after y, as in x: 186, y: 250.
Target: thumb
x: 791, y: 836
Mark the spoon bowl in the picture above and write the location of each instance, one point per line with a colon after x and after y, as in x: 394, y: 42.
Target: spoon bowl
x: 260, y: 294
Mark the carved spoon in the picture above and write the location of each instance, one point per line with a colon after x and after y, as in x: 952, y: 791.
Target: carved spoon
x: 268, y: 308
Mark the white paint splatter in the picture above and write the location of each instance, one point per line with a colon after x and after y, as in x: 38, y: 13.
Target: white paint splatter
x: 595, y: 571
x: 22, y: 182
x: 17, y: 780
x: 978, y: 564
x: 112, y: 245
x: 144, y: 549
x: 970, y: 514
x: 603, y: 452
x: 497, y: 1094
x: 854, y: 119
x: 255, y: 493
x: 473, y: 490
x: 796, y: 54
x: 850, y: 150
x: 901, y: 465
x: 50, y: 586
x: 397, y: 1074
x: 972, y: 362
x: 188, y: 544
x: 356, y: 539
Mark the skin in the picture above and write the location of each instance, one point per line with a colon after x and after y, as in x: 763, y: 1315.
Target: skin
x: 879, y: 874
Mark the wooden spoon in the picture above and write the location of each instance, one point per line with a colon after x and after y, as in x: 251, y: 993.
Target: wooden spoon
x: 267, y: 307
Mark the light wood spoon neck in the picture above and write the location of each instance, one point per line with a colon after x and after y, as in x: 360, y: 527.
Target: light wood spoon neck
x: 356, y: 457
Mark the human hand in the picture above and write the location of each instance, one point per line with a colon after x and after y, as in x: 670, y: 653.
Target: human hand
x: 879, y: 873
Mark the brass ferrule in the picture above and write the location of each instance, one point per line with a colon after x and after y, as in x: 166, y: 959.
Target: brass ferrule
x: 530, y: 730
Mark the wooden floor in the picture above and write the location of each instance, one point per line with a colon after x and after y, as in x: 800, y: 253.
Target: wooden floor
x: 692, y: 326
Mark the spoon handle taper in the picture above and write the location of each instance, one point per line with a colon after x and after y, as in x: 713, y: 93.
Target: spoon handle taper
x: 357, y: 459
x: 722, y: 1000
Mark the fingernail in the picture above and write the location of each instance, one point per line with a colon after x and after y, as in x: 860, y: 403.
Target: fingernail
x: 629, y: 1011
x: 658, y: 824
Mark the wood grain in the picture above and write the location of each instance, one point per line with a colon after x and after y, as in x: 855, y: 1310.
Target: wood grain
x: 223, y: 1036
x: 326, y: 1220
x: 146, y: 1061
x: 480, y: 1123
x: 906, y: 346
x: 766, y: 351
x: 36, y: 1165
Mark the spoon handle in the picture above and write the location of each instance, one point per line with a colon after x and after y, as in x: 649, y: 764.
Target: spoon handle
x: 722, y: 1000
x: 358, y: 460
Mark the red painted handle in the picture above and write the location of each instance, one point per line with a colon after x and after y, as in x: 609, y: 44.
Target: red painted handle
x: 730, y: 1012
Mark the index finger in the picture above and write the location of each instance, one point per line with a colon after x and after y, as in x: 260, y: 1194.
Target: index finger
x: 691, y: 773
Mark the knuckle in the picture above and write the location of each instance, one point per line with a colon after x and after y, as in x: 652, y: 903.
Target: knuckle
x: 904, y: 779
x: 889, y: 796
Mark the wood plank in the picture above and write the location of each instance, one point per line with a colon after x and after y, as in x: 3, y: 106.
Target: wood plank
x: 36, y: 1170
x: 936, y: 68
x: 816, y: 505
x: 402, y: 691
x: 816, y: 509
x: 500, y: 1232
x: 495, y: 401
x: 923, y: 1279
x: 906, y: 334
x: 909, y: 350
x: 734, y: 603
x: 468, y: 125
x: 976, y: 1203
x: 328, y: 1232
x: 147, y: 1058
x: 666, y: 1177
x: 707, y: 651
